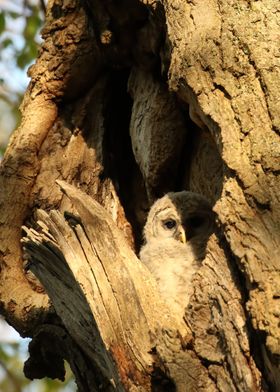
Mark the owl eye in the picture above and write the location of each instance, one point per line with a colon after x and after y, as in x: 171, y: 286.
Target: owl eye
x: 169, y: 224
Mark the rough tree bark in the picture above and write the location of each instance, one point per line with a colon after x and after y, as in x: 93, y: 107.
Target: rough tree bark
x: 128, y: 100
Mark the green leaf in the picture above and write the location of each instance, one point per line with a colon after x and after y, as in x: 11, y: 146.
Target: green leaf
x: 14, y: 15
x: 33, y: 50
x: 28, y: 54
x: 6, y: 42
x: 23, y: 58
x: 2, y: 22
x: 4, y: 357
x: 33, y: 23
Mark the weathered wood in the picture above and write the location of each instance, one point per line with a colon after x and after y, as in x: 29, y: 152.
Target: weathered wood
x: 22, y: 163
x: 219, y: 68
x: 51, y: 144
x: 51, y: 344
x: 109, y: 303
x: 107, y: 300
x: 49, y: 265
x: 158, y: 159
x: 98, y: 274
x: 221, y: 63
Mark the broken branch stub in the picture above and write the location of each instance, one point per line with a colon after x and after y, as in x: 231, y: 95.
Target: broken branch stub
x: 105, y: 296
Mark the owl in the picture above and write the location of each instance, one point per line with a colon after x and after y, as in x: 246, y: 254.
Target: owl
x: 176, y: 233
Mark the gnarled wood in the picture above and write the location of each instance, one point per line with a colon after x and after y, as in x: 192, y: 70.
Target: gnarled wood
x: 219, y: 68
x: 109, y: 304
x: 113, y: 308
x: 216, y: 60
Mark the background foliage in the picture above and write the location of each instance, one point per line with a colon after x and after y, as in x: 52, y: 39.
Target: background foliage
x: 20, y: 23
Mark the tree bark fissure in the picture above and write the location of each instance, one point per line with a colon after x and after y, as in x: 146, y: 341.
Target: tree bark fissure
x: 129, y: 100
x: 131, y: 341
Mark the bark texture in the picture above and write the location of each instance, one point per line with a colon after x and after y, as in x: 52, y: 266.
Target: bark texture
x: 218, y: 66
x: 128, y: 100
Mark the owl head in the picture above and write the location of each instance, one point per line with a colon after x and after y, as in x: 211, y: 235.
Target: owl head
x: 183, y: 216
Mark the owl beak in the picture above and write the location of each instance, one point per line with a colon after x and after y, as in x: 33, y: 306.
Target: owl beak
x: 182, y: 236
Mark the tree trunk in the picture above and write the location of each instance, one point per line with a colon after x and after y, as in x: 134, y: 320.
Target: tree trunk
x: 127, y: 101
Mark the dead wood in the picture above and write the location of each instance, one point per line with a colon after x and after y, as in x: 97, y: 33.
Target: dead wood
x: 204, y: 79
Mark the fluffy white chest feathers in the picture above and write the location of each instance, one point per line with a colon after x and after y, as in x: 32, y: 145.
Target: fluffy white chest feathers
x: 176, y: 233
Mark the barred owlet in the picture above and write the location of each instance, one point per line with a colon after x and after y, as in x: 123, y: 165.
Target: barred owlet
x: 176, y: 233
